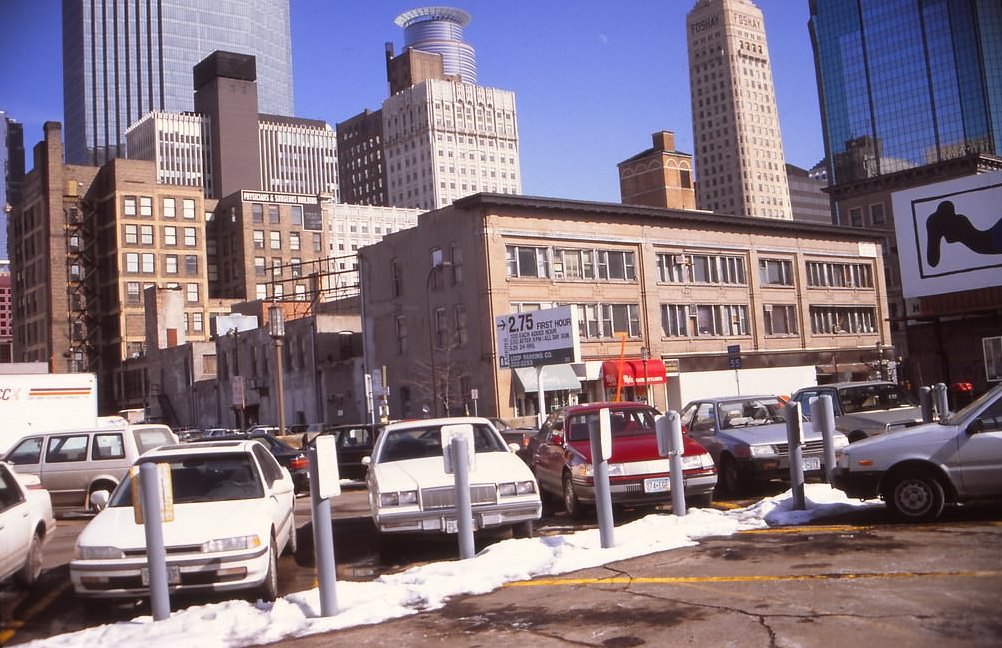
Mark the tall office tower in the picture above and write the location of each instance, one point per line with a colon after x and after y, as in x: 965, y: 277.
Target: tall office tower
x: 908, y: 83
x: 361, y: 173
x: 125, y: 58
x: 439, y: 30
x: 178, y: 143
x: 735, y: 123
x: 11, y: 174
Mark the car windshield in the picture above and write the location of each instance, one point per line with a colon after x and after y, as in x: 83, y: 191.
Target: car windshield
x: 417, y: 443
x: 624, y: 422
x: 955, y: 418
x: 205, y: 478
x: 871, y: 398
x: 750, y: 412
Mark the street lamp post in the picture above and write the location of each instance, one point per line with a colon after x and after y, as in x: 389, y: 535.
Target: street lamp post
x: 644, y: 355
x: 238, y: 380
x: 276, y: 323
x: 437, y: 263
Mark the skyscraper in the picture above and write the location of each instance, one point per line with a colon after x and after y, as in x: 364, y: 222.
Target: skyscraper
x: 737, y: 142
x: 439, y: 30
x: 11, y: 174
x: 907, y: 83
x: 125, y: 58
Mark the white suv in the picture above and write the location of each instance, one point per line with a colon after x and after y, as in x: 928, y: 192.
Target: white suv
x: 917, y: 470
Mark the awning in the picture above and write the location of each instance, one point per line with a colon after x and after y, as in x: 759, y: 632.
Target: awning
x: 555, y: 378
x: 635, y: 372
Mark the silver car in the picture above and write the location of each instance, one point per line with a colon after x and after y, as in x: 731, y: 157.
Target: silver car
x: 865, y: 409
x: 747, y: 438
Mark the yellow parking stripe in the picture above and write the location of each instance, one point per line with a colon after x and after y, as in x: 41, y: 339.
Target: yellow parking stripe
x: 670, y: 580
x: 831, y: 528
x: 17, y: 624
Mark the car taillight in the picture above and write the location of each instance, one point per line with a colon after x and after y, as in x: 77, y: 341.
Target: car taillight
x: 299, y: 463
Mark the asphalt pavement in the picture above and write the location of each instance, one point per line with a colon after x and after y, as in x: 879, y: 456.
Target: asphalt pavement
x: 841, y: 582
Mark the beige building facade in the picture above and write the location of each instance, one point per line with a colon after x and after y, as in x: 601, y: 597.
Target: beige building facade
x: 799, y: 303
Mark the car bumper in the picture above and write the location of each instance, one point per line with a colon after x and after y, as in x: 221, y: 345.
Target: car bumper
x: 856, y: 484
x: 778, y: 467
x: 444, y: 520
x: 186, y: 573
x: 631, y: 490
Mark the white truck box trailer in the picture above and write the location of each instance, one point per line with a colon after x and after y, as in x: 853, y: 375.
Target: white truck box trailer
x: 31, y: 403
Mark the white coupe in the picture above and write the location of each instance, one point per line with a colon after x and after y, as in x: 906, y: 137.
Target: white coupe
x: 233, y: 509
x: 26, y: 524
x: 410, y: 491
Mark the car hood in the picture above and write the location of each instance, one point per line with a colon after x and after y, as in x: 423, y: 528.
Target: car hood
x: 882, y: 417
x: 774, y: 433
x: 193, y: 524
x: 429, y: 472
x: 906, y: 440
x: 626, y: 449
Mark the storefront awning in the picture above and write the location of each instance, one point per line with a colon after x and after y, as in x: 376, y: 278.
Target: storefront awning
x: 555, y: 378
x: 634, y: 372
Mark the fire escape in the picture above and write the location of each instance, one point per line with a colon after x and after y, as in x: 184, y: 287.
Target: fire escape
x: 81, y: 287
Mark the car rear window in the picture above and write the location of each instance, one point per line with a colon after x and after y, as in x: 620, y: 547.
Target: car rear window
x: 873, y: 398
x: 151, y: 437
x: 417, y: 443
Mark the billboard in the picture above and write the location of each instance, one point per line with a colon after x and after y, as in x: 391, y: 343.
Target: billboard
x: 538, y: 338
x: 949, y: 235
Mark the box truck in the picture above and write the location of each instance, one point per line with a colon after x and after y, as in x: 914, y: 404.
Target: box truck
x: 32, y: 403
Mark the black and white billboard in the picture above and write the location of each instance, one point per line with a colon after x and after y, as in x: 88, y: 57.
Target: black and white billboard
x: 950, y: 235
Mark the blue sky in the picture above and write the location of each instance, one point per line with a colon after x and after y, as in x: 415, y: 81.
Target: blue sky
x: 592, y: 78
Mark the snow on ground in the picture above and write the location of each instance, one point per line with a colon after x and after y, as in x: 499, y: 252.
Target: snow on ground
x: 240, y: 623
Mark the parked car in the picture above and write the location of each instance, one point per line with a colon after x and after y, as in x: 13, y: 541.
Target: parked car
x: 355, y: 441
x: 409, y: 490
x: 26, y: 525
x: 864, y: 409
x: 638, y: 475
x: 919, y: 469
x: 233, y: 513
x: 511, y: 434
x: 293, y: 459
x: 73, y: 464
x: 747, y: 438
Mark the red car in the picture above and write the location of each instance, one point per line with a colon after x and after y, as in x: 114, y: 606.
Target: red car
x: 560, y: 457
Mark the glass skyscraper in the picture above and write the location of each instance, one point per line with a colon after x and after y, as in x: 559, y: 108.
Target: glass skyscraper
x: 906, y: 83
x: 125, y: 58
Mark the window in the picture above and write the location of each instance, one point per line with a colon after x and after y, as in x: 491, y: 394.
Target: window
x: 396, y: 276
x: 188, y: 207
x: 318, y: 243
x: 146, y: 234
x: 170, y: 235
x: 616, y: 265
x: 145, y: 206
x: 296, y: 267
x: 169, y: 208
x: 401, y: 334
x: 842, y: 319
x: 718, y: 269
x: 780, y: 319
x: 294, y: 240
x: 132, y: 294
x: 673, y: 268
x: 191, y: 293
x: 62, y: 449
x: 259, y: 239
x: 259, y: 266
x: 276, y: 267
x: 190, y: 238
x: 131, y: 262
x: 257, y: 213
x: 608, y: 320
x: 297, y: 215
x: 108, y: 446
x: 523, y: 261
x: 149, y: 266
x: 191, y: 265
x: 441, y: 328
x: 197, y: 322
x: 574, y: 264
x: 273, y: 215
x: 170, y: 264
x: 457, y: 265
x: 132, y: 234
x: 839, y: 275
x: 856, y: 217
x: 459, y: 313
x: 129, y: 205
x: 775, y: 272
x: 719, y: 319
x: 877, y: 214
x: 275, y: 240
x: 674, y: 318
x: 260, y: 291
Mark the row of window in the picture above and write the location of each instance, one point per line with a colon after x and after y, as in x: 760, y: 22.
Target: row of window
x: 275, y: 241
x: 144, y: 235
x: 721, y: 269
x: 142, y: 206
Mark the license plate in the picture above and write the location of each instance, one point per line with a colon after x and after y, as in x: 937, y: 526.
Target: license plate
x: 173, y: 575
x: 451, y: 526
x: 657, y: 485
x: 812, y: 463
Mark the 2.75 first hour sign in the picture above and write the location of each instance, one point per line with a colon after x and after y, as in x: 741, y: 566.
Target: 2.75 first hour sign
x: 537, y: 338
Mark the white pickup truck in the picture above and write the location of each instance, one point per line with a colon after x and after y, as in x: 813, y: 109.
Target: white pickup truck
x: 919, y: 469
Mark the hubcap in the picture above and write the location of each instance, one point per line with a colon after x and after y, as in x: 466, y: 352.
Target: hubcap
x: 913, y: 496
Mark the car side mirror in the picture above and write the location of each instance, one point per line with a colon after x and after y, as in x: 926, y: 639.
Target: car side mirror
x: 557, y: 438
x: 366, y: 461
x: 99, y: 499
x: 975, y: 427
x: 514, y: 447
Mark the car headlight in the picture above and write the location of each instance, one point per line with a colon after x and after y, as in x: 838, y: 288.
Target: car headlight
x: 511, y: 489
x: 764, y: 450
x: 399, y: 498
x: 840, y: 441
x: 702, y: 460
x: 98, y: 553
x: 236, y: 543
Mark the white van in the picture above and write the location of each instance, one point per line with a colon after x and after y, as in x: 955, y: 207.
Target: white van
x: 72, y: 464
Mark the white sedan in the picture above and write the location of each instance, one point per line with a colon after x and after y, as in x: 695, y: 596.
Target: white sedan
x: 409, y: 490
x: 26, y: 524
x: 233, y: 508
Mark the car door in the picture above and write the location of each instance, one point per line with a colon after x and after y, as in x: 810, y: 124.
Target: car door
x: 703, y: 428
x: 804, y: 397
x: 15, y: 523
x: 280, y: 498
x: 548, y: 454
x: 980, y: 452
x: 64, y: 469
x: 27, y: 456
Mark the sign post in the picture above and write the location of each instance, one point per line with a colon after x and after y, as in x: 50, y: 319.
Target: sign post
x: 734, y: 360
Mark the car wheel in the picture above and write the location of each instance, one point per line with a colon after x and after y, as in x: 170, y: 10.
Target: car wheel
x: 572, y: 504
x: 268, y: 591
x: 729, y: 475
x: 703, y: 500
x: 915, y: 496
x: 32, y: 568
x: 523, y: 530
